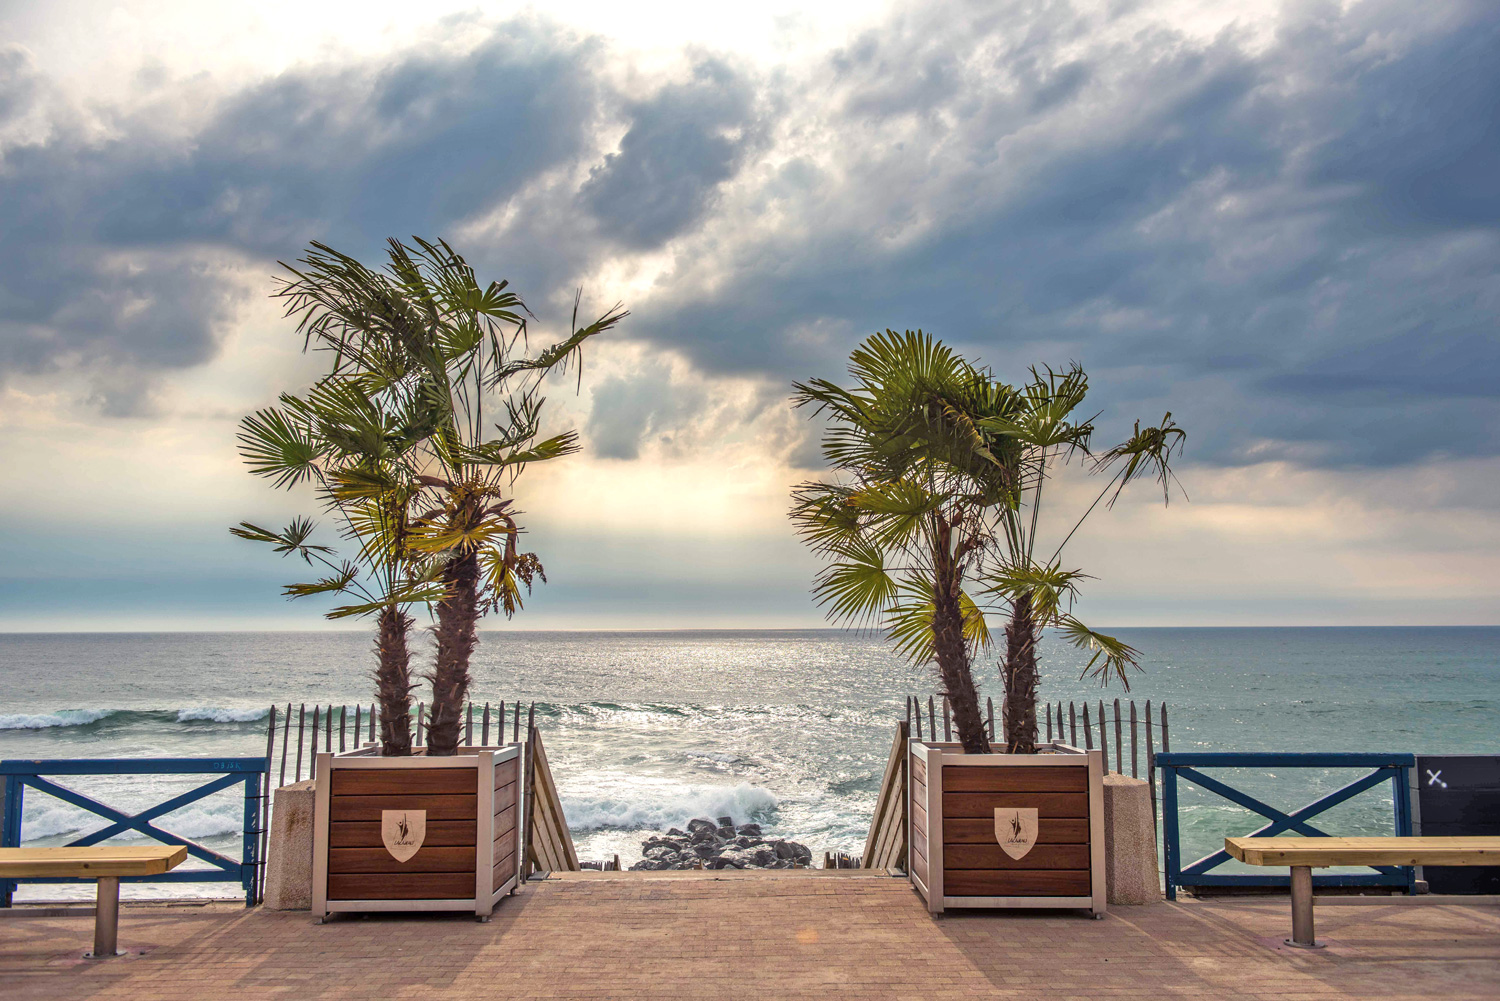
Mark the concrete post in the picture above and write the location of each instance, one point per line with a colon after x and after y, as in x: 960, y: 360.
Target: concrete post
x: 289, y: 848
x: 1131, y: 876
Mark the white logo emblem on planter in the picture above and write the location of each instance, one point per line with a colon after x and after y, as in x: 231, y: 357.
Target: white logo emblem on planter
x: 1015, y: 830
x: 404, y: 830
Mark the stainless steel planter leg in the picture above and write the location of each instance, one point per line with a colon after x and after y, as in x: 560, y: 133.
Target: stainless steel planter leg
x: 107, y: 919
x: 1302, y: 909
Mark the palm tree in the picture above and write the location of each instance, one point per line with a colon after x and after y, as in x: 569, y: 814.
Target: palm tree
x: 916, y: 507
x: 426, y: 331
x: 355, y: 449
x: 1040, y: 592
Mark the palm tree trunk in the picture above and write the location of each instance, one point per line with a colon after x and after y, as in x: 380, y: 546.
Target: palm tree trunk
x: 951, y: 650
x: 1020, y: 678
x: 457, y: 632
x: 393, y: 682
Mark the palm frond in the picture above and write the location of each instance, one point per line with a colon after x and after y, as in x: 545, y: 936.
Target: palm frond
x: 1111, y: 657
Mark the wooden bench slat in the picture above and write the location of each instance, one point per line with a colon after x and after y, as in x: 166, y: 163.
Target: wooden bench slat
x: 1322, y: 852
x: 91, y: 862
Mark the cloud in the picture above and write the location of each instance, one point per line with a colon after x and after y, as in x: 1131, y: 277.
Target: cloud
x: 119, y: 245
x: 1288, y: 237
x: 682, y: 143
x: 1291, y: 245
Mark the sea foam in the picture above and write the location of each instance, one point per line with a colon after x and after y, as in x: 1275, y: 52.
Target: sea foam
x: 42, y: 721
x: 639, y: 803
x: 216, y: 715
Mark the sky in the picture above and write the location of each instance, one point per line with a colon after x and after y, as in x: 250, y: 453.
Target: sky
x: 1278, y: 221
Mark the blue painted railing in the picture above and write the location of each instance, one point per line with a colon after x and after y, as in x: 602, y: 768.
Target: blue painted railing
x: 251, y: 772
x: 1185, y: 765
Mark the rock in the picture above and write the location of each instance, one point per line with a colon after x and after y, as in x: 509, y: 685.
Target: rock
x: 706, y: 845
x: 750, y: 858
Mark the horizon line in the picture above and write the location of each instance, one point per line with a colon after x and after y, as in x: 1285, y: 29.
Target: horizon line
x: 701, y: 629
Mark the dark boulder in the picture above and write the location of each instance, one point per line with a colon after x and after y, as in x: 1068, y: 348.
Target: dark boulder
x: 724, y: 845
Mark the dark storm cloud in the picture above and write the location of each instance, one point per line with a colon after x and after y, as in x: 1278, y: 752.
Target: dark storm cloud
x: 1294, y: 246
x: 108, y: 255
x: 1292, y: 242
x: 682, y: 143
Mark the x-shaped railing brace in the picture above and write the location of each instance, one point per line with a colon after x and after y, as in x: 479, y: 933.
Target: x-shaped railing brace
x: 142, y: 821
x: 1279, y: 821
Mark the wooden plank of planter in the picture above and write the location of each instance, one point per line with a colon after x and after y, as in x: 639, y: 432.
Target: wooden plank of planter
x: 1056, y: 778
x: 383, y: 782
x: 401, y: 886
x: 504, y: 869
x: 962, y: 831
x: 366, y: 834
x: 1016, y: 882
x: 979, y: 804
x: 505, y: 821
x: 347, y: 808
x: 992, y: 856
x: 506, y: 772
x: 427, y: 859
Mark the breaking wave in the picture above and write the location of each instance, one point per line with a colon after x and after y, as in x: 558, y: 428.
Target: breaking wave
x: 43, y: 721
x: 215, y: 715
x: 640, y: 803
x: 88, y: 717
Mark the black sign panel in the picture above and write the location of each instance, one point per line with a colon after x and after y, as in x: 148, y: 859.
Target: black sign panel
x: 1459, y: 794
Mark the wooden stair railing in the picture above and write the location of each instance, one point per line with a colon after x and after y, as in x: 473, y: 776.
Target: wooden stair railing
x: 885, y: 847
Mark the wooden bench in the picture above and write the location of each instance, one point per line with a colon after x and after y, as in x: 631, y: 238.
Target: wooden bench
x: 1304, y: 855
x: 104, y: 863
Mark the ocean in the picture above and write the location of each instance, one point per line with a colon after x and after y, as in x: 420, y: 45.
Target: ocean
x: 792, y: 729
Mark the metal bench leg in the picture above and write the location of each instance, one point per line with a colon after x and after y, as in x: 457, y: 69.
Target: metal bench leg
x: 1302, y: 909
x: 107, y: 919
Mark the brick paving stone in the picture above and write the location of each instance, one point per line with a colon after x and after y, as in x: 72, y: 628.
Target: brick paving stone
x: 772, y: 939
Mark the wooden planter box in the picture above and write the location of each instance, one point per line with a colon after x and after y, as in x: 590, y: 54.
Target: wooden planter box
x: 962, y: 811
x: 466, y: 809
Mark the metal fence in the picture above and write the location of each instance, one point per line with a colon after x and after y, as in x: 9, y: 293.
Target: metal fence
x: 39, y: 776
x: 1392, y: 768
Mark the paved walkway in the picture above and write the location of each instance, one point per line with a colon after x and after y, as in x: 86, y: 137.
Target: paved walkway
x: 765, y: 939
